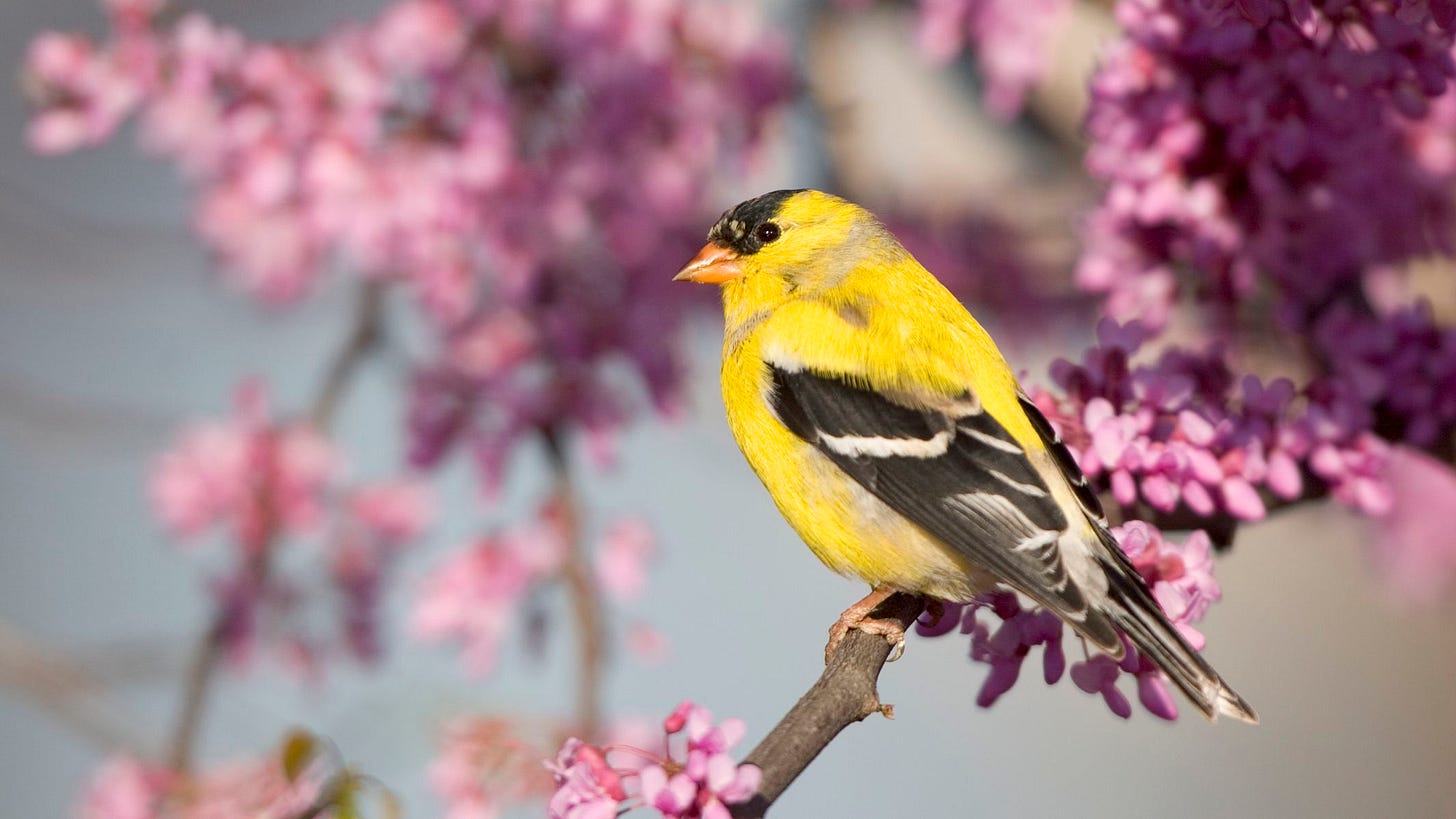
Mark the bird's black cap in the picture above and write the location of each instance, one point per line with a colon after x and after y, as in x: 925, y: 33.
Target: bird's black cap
x: 738, y: 227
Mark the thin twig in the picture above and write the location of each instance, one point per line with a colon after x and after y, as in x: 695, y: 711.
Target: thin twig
x: 57, y: 685
x: 845, y: 693
x: 364, y: 334
x: 586, y: 601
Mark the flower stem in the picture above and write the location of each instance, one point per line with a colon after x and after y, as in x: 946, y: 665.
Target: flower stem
x: 364, y: 335
x: 586, y: 601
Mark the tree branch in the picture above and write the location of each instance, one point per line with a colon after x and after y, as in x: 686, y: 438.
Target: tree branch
x: 586, y: 600
x: 845, y: 693
x: 364, y: 334
x: 57, y: 685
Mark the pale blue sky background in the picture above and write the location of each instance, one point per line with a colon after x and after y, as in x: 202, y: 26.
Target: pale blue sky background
x: 112, y: 333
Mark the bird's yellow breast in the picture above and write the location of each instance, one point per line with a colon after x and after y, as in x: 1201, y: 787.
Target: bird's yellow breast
x: 850, y: 530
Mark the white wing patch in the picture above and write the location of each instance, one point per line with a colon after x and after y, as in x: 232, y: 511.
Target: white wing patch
x: 1024, y: 488
x: 855, y: 446
x: 992, y: 441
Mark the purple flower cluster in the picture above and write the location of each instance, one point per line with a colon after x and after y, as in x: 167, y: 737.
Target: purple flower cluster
x: 522, y: 167
x: 1400, y: 365
x: 1179, y: 431
x: 699, y: 785
x: 1181, y: 579
x: 1265, y: 138
x: 1292, y: 155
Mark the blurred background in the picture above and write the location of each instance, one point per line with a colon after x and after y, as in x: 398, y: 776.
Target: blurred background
x: 115, y: 331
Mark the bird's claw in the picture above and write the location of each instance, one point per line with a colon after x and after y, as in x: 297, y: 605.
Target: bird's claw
x: 858, y: 617
x: 889, y: 629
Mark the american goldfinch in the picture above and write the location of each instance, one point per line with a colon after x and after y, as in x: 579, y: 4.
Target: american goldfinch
x: 897, y: 442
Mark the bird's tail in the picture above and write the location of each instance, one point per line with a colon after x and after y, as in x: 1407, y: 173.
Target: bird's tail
x: 1140, y: 617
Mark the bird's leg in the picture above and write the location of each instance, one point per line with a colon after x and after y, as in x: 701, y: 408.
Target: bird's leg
x: 857, y: 617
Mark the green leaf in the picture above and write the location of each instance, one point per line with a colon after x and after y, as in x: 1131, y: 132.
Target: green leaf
x: 299, y: 749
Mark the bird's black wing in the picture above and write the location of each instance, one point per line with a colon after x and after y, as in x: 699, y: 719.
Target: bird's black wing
x: 957, y: 474
x: 1066, y: 463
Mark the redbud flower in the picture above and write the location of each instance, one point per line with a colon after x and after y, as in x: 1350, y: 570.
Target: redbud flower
x: 621, y: 558
x: 1180, y: 576
x: 1241, y: 140
x: 127, y: 788
x: 1414, y: 544
x: 698, y: 780
x: 254, y: 475
x: 474, y: 596
x: 443, y: 145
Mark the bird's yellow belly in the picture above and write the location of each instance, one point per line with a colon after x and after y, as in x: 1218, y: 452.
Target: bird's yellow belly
x: 849, y: 529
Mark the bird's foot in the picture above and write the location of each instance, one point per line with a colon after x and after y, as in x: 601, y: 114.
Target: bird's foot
x: 857, y: 617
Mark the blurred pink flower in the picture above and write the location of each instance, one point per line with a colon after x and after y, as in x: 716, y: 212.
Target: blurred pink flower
x: 483, y: 767
x: 396, y: 511
x: 646, y: 643
x: 1011, y: 41
x: 444, y: 145
x: 124, y: 787
x: 415, y: 35
x: 1415, y: 544
x: 621, y: 559
x: 252, y: 474
x: 473, y: 597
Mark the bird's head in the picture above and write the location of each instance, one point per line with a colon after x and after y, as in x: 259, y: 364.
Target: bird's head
x: 800, y: 240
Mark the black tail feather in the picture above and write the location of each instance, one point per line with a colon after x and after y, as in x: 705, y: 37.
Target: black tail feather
x: 1139, y: 616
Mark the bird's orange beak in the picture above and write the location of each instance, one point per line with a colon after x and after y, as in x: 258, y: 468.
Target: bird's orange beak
x: 714, y: 264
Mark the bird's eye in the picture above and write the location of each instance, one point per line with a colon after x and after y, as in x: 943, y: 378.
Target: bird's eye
x: 767, y: 232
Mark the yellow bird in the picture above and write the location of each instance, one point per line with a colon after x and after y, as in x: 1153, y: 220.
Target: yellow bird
x: 897, y: 442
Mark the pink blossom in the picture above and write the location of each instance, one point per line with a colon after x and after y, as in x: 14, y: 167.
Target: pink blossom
x: 1020, y: 630
x: 586, y: 787
x: 419, y: 34
x: 263, y: 481
x: 473, y: 597
x: 1415, y: 546
x: 250, y: 473
x: 483, y: 767
x: 696, y: 778
x: 1285, y: 141
x: 125, y: 788
x: 1098, y: 675
x: 443, y: 145
x: 622, y: 557
x: 1180, y: 576
x: 201, y: 479
x: 647, y: 644
x: 133, y: 11
x: 397, y: 511
x: 1010, y: 40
